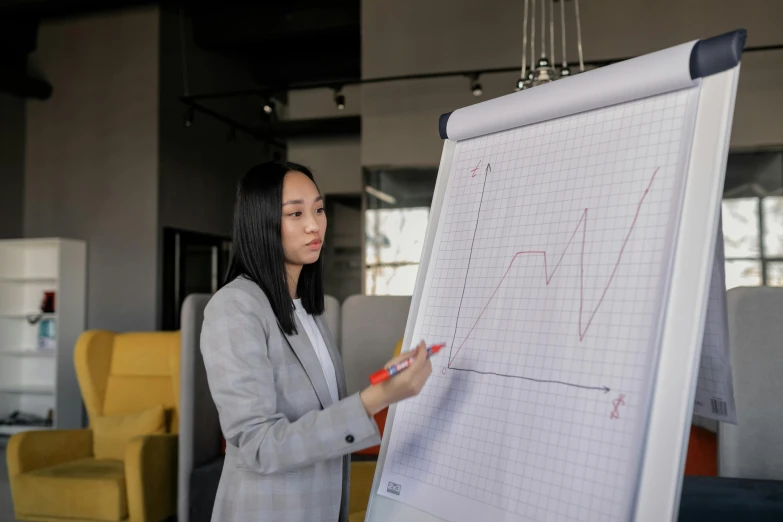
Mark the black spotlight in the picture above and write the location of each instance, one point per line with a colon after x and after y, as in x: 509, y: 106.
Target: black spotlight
x: 339, y: 99
x: 188, y: 120
x: 475, y: 86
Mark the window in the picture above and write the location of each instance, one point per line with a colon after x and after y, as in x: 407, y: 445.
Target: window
x: 396, y: 211
x: 753, y: 241
x: 394, y: 241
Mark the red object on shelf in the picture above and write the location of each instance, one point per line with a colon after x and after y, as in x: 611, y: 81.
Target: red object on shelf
x: 47, y: 306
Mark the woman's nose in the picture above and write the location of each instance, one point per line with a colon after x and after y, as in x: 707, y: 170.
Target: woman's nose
x: 312, y: 225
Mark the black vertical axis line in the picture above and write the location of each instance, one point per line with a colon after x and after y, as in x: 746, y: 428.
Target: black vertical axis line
x: 487, y: 170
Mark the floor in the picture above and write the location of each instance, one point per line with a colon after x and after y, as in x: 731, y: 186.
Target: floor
x: 6, y: 506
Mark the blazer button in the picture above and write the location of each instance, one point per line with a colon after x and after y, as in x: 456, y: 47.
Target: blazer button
x: 349, y: 439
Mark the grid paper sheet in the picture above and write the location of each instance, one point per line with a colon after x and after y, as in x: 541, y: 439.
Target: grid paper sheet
x: 546, y: 282
x: 715, y: 385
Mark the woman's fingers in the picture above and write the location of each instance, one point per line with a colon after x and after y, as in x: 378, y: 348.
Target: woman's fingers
x: 405, y: 355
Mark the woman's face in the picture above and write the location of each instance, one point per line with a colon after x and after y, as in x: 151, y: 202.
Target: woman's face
x: 304, y: 220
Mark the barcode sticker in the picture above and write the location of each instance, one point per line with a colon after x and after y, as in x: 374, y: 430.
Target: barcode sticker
x: 719, y: 407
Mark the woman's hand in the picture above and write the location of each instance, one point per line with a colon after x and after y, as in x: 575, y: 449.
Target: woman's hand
x: 403, y: 385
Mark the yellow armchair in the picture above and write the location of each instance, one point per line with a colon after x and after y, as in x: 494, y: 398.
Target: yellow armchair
x: 124, y: 466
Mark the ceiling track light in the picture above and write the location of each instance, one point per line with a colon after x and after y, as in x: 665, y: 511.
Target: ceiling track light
x: 475, y: 85
x: 339, y: 98
x: 188, y: 119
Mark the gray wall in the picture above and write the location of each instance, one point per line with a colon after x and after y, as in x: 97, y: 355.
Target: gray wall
x: 399, y: 120
x: 92, y: 157
x: 199, y: 166
x: 335, y: 162
x: 12, y: 125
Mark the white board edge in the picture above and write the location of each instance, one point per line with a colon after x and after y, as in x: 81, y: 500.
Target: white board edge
x: 663, y: 460
x: 444, y: 170
x: 655, y: 73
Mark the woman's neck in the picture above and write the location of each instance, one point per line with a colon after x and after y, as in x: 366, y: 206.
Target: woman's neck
x: 292, y: 274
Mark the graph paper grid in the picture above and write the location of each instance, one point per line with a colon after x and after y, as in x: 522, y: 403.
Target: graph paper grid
x: 546, y: 281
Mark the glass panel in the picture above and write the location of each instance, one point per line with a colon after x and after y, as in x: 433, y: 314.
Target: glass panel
x: 741, y: 227
x: 395, y: 235
x: 743, y: 273
x: 775, y: 273
x: 391, y: 280
x: 200, y: 267
x: 773, y: 226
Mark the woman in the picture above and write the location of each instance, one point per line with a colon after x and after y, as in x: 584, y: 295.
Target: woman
x: 272, y: 366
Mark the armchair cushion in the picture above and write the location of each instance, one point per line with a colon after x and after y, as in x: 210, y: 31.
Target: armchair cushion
x: 60, y: 489
x: 112, y: 433
x: 35, y: 449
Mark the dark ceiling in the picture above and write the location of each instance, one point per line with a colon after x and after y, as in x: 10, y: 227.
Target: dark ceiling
x: 283, y: 43
x: 298, y: 41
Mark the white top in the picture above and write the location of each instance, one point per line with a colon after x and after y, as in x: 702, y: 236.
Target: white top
x: 317, y: 340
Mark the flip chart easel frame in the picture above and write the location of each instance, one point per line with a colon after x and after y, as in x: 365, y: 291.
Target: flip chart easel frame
x: 712, y: 65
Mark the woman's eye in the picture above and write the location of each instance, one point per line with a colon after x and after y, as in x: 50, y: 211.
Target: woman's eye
x: 295, y: 214
x: 321, y: 210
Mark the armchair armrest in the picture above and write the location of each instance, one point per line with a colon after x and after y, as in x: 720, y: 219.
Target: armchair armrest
x: 151, y: 477
x: 31, y: 450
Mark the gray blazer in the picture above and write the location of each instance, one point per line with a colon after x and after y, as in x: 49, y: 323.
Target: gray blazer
x: 286, y: 440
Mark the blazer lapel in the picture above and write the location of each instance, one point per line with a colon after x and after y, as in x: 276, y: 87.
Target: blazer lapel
x: 334, y: 353
x: 305, y: 352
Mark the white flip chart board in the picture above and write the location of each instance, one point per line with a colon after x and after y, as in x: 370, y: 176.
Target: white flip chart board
x: 567, y: 267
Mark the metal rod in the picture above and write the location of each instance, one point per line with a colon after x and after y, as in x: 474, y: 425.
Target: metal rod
x: 533, y: 37
x: 563, y: 31
x: 579, y: 37
x: 552, y: 31
x: 423, y: 76
x: 524, y: 42
x: 189, y: 101
x: 183, y: 51
x: 543, y: 28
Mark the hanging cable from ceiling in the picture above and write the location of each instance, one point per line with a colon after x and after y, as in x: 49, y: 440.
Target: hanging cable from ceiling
x: 543, y: 67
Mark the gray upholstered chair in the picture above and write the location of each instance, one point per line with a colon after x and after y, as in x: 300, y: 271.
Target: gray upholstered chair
x: 200, y: 451
x: 754, y: 447
x: 371, y: 328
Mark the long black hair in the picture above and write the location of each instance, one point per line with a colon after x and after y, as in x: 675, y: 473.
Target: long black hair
x: 258, y: 244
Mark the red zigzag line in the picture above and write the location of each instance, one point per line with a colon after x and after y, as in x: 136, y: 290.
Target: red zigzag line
x: 548, y: 277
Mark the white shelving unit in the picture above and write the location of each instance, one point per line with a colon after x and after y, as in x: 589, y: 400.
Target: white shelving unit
x: 34, y: 380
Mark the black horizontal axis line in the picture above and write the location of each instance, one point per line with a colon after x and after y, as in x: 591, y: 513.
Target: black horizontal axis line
x: 604, y: 389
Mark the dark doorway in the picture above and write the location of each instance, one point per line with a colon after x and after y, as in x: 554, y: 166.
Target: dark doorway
x: 192, y: 263
x: 343, y: 245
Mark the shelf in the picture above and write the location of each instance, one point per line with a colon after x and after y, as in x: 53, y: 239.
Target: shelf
x: 32, y: 378
x: 25, y: 316
x: 8, y: 429
x: 24, y: 352
x: 28, y: 279
x: 27, y: 388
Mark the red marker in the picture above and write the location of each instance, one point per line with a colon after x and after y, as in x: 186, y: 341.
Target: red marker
x: 387, y: 373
